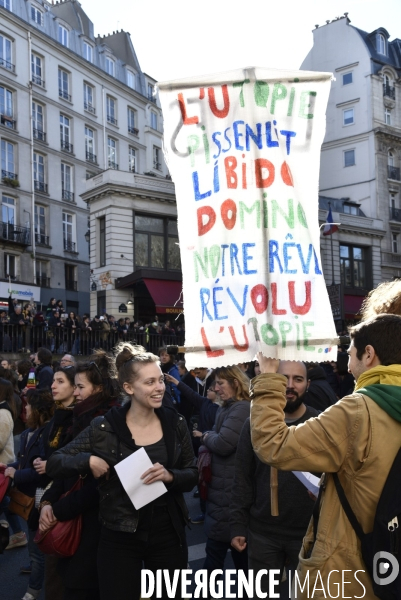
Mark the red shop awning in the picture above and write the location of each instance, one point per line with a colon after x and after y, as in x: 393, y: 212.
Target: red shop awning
x: 167, y: 295
x: 352, y: 305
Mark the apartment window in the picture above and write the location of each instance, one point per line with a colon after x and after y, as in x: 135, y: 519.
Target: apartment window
x: 132, y: 128
x: 347, y: 78
x: 37, y: 122
x: 88, y: 52
x: 8, y: 160
x: 351, y: 209
x: 66, y: 183
x: 387, y: 116
x: 63, y: 35
x: 6, y: 108
x: 40, y: 225
x: 36, y: 15
x: 150, y: 92
x: 90, y: 144
x: 348, y: 116
x: 353, y: 262
x: 88, y: 98
x: 349, y: 158
x: 63, y: 85
x: 132, y: 159
x: 153, y: 120
x: 39, y: 172
x: 390, y: 159
x: 393, y: 200
x: 111, y: 105
x: 41, y: 273
x: 70, y: 278
x: 102, y: 241
x: 6, y: 47
x: 381, y: 44
x: 155, y: 240
x: 6, y: 4
x: 10, y: 266
x: 68, y: 232
x: 110, y: 66
x: 8, y: 210
x: 131, y: 79
x: 65, y: 133
x: 394, y: 242
x: 37, y: 70
x: 157, y: 158
x: 112, y: 153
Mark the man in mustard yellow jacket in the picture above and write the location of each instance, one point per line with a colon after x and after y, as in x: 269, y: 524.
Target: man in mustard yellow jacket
x: 358, y: 438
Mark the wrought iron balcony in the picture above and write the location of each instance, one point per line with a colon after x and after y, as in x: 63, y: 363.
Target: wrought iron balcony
x: 157, y: 165
x: 91, y: 157
x: 15, y: 234
x: 7, y: 65
x: 113, y: 165
x: 152, y: 98
x: 65, y: 95
x: 40, y: 186
x: 71, y: 285
x: 41, y: 239
x: 389, y: 91
x: 393, y: 173
x: 66, y: 146
x: 132, y: 167
x: 88, y: 106
x: 133, y: 130
x: 69, y: 246
x: 42, y: 280
x: 8, y: 121
x: 111, y: 119
x: 38, y: 81
x: 67, y: 195
x: 38, y: 134
x: 395, y: 214
x: 8, y: 175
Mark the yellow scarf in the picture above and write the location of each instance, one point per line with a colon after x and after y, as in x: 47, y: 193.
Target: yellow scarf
x: 385, y: 375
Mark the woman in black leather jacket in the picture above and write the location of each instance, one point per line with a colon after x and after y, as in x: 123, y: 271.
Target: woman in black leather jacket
x: 154, y: 535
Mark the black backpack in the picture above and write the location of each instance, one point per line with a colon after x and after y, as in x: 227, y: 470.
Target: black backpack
x: 381, y: 547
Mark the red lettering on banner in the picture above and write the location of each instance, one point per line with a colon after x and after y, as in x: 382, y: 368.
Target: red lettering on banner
x: 260, y: 305
x: 305, y: 308
x: 209, y: 352
x: 186, y: 120
x: 226, y: 207
x: 221, y: 113
x: 209, y: 212
x: 260, y: 164
x: 275, y: 309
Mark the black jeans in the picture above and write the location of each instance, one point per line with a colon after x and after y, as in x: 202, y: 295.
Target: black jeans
x: 216, y: 553
x: 121, y: 557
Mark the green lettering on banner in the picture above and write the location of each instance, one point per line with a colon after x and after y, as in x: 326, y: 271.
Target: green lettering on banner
x: 279, y: 93
x: 304, y: 105
x: 244, y: 209
x: 269, y: 334
x: 277, y: 209
x: 204, y: 264
x: 261, y: 93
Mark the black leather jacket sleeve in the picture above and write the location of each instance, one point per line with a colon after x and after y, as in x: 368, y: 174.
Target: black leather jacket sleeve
x: 185, y: 477
x: 72, y: 459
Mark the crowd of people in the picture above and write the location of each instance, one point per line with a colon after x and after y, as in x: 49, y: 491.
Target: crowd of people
x: 77, y: 420
x: 23, y: 328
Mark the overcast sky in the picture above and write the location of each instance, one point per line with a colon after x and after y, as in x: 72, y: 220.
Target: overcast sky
x: 177, y: 38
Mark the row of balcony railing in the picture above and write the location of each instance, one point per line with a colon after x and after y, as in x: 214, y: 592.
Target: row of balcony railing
x: 60, y: 339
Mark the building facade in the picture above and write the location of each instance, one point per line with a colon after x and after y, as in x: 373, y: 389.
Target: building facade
x: 361, y: 153
x: 71, y: 107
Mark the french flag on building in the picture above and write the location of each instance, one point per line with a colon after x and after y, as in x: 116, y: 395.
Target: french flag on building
x: 330, y: 226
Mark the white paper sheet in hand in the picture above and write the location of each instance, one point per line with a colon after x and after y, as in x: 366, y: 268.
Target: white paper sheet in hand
x: 130, y: 471
x: 310, y: 481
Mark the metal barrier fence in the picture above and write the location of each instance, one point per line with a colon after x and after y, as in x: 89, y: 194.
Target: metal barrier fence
x: 60, y: 340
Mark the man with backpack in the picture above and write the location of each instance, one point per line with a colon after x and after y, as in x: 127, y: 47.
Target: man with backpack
x: 355, y: 443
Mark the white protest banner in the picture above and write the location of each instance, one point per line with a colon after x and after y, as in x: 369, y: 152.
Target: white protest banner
x: 243, y: 150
